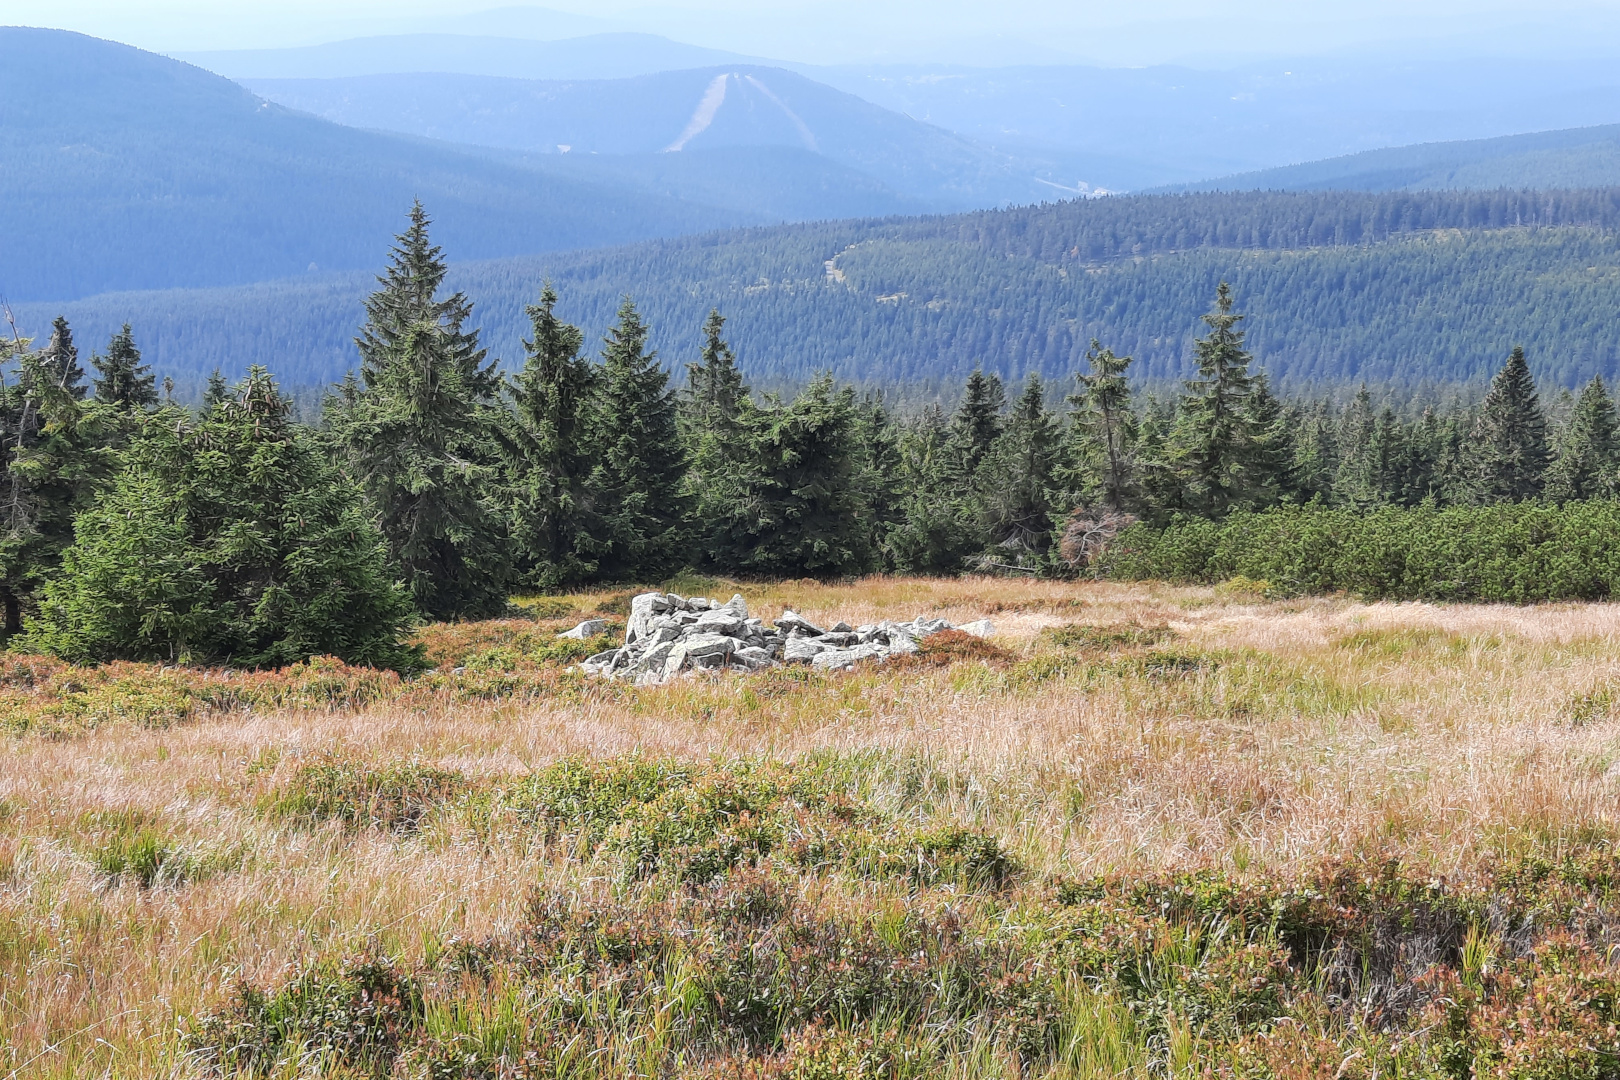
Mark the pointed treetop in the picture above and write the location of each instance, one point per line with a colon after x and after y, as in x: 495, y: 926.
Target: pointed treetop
x: 125, y: 381
x: 61, y: 359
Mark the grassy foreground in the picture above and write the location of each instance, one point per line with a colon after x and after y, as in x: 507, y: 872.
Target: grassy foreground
x: 1147, y: 831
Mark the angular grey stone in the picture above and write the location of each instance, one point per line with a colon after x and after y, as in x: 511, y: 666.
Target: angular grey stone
x: 588, y: 628
x: 921, y: 627
x: 653, y: 659
x: 982, y: 628
x: 600, y: 658
x: 753, y: 658
x: 792, y: 620
x: 643, y: 609
x: 834, y: 659
x: 841, y: 628
x: 676, y: 660
x: 737, y: 604
x: 700, y: 645
x: 720, y: 621
x: 839, y: 639
x: 800, y: 650
x: 897, y: 637
x: 699, y: 603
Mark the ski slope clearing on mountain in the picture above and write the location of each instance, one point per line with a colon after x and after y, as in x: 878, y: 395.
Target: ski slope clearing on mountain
x: 681, y: 111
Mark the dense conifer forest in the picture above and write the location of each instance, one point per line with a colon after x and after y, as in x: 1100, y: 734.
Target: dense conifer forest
x: 434, y: 484
x: 1401, y: 289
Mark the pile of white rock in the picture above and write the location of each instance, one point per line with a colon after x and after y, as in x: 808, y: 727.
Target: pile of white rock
x: 670, y: 634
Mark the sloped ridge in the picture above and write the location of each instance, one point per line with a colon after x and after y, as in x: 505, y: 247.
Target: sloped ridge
x: 125, y: 169
x: 1586, y: 157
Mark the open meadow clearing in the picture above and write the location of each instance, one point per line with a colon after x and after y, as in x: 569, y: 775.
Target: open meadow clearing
x: 1143, y: 830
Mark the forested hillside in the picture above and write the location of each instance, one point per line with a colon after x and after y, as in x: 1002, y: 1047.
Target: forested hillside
x: 1340, y: 287
x: 123, y: 169
x: 1573, y: 158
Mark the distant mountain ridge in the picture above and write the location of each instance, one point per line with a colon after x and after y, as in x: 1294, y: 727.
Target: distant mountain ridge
x: 124, y: 169
x: 682, y: 111
x: 1573, y: 158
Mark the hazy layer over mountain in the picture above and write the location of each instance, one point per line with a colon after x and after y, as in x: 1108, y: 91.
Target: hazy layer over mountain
x: 1577, y: 158
x: 124, y: 169
x: 684, y: 111
x: 1178, y: 124
x: 594, y: 56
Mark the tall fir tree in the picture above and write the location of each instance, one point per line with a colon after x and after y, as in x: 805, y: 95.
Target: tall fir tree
x: 977, y: 424
x: 713, y: 414
x: 715, y: 392
x: 418, y: 432
x: 1315, y: 460
x: 1355, y: 483
x: 54, y: 456
x: 125, y: 381
x: 60, y: 361
x: 928, y: 537
x: 1508, y: 445
x: 1271, y: 447
x: 1214, y: 437
x: 1019, y: 500
x: 804, y: 511
x: 640, y: 463
x: 215, y: 390
x: 1588, y: 461
x: 553, y: 518
x: 1099, y: 461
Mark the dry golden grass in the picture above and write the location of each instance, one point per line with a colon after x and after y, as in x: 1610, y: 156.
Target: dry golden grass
x: 1258, y: 738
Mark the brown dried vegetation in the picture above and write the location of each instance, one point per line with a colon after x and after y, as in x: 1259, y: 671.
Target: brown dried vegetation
x: 1144, y: 831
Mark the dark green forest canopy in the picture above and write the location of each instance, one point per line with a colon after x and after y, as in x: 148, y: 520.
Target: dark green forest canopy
x: 1340, y: 287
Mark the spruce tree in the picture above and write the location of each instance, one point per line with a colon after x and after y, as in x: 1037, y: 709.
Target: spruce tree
x: 229, y: 540
x: 1271, y: 448
x: 216, y: 389
x: 1019, y: 498
x: 1100, y: 461
x: 1588, y: 462
x: 803, y: 513
x: 53, y: 458
x: 1356, y: 482
x: 60, y: 361
x: 418, y: 433
x: 1315, y: 460
x: 640, y: 464
x: 929, y: 537
x: 977, y: 423
x: 715, y: 392
x: 1509, y: 442
x: 1214, y: 436
x: 553, y: 518
x: 714, y: 412
x: 125, y: 381
x: 878, y: 477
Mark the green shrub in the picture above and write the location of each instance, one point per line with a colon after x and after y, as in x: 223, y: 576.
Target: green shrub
x: 1518, y: 553
x: 396, y: 797
x: 230, y: 539
x: 357, y: 1012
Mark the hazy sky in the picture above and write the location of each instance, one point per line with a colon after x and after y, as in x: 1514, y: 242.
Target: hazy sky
x: 832, y: 31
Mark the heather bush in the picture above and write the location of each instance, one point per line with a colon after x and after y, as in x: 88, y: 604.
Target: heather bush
x: 393, y: 797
